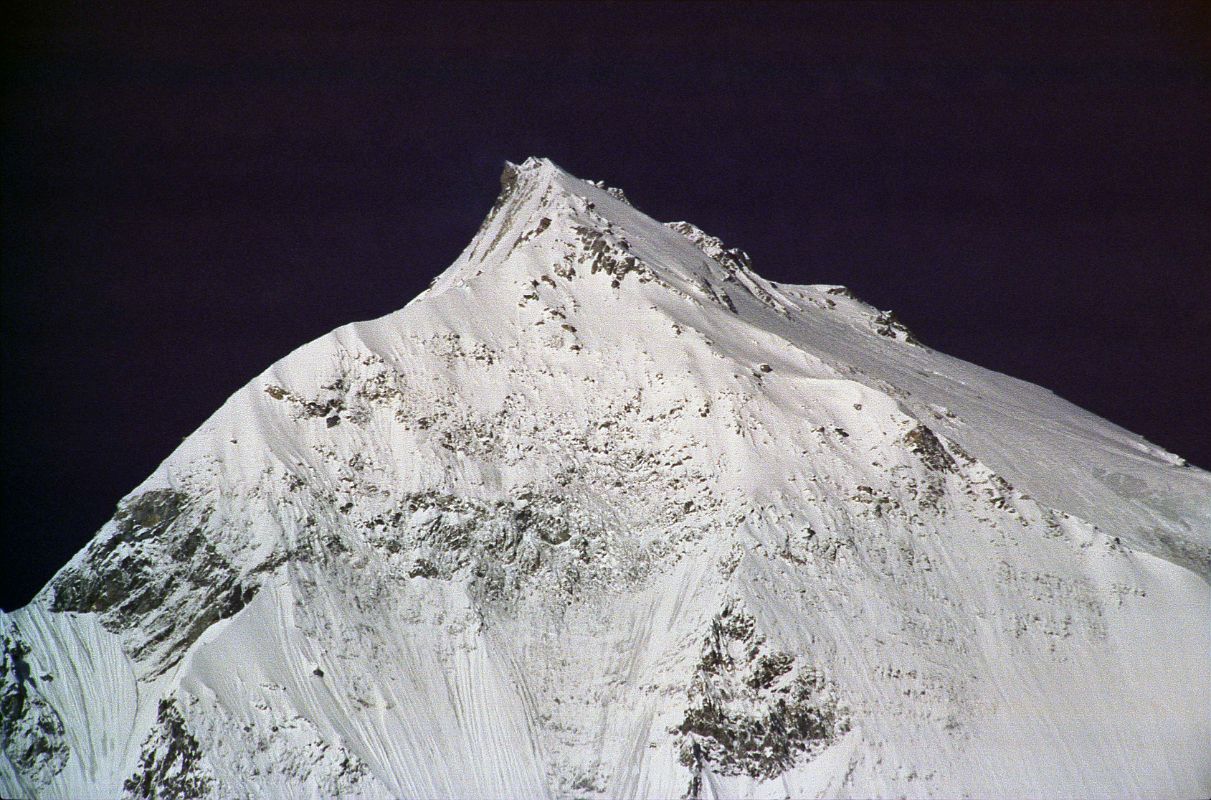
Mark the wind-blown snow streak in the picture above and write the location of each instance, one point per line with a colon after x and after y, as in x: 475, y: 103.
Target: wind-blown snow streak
x: 603, y: 513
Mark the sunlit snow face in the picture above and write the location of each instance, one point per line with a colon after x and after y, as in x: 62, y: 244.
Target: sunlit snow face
x: 605, y: 513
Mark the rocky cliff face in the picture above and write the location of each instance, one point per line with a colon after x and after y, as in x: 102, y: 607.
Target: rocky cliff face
x: 603, y: 513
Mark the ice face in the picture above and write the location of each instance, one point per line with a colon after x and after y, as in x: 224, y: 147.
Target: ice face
x: 603, y: 513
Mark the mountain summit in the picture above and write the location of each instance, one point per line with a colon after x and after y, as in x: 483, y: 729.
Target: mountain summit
x: 602, y: 513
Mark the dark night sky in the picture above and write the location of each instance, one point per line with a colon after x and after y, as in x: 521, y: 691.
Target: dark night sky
x: 190, y: 194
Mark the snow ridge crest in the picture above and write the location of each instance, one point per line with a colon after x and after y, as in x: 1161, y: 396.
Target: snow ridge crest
x: 546, y: 224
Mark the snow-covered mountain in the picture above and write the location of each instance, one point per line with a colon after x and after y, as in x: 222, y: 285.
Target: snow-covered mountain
x: 604, y: 514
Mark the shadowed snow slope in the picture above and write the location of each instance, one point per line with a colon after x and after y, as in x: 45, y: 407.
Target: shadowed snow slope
x: 604, y: 514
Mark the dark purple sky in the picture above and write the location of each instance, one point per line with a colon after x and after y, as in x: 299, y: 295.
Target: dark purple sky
x: 189, y: 194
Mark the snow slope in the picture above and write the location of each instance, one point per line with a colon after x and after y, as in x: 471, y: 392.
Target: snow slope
x: 604, y: 514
